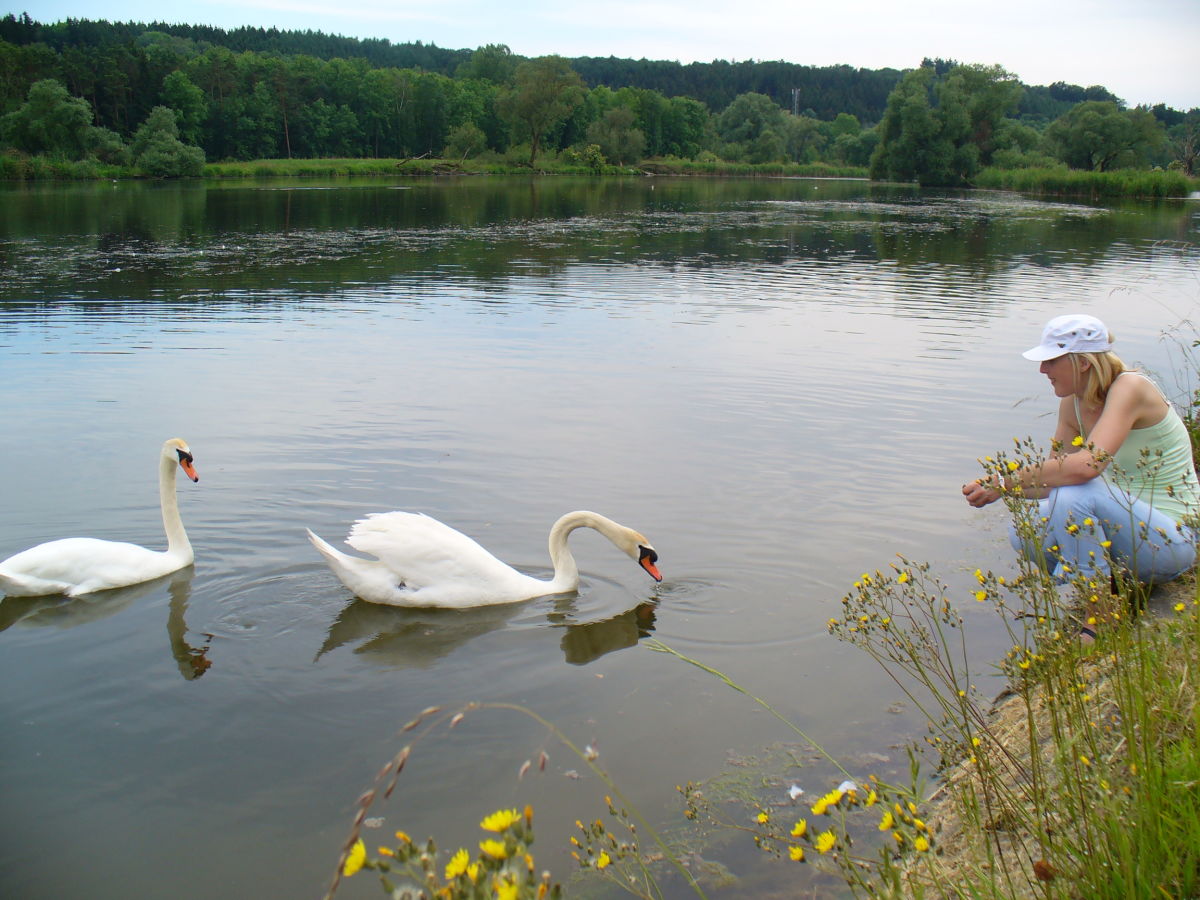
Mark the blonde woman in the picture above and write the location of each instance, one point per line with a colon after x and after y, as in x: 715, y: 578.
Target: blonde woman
x: 1120, y: 486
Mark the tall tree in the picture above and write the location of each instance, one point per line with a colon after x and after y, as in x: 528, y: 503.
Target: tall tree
x: 50, y: 121
x: 544, y: 92
x: 939, y: 130
x: 1099, y: 135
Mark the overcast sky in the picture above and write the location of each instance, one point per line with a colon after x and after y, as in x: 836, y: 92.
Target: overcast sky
x: 1144, y: 51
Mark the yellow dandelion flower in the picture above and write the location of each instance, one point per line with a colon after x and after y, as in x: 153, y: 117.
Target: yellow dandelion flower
x: 763, y: 817
x: 473, y: 872
x: 975, y: 742
x: 800, y: 828
x: 796, y: 853
x: 919, y: 825
x: 902, y: 578
x: 500, y: 820
x: 1179, y: 607
x: 979, y: 575
x: 355, y: 859
x: 603, y: 860
x: 825, y: 841
x: 1013, y: 465
x: 871, y: 798
x: 506, y: 889
x: 887, y: 823
x: 1106, y: 544
x: 981, y: 596
x: 1073, y: 528
x: 1024, y: 664
x: 818, y: 808
x: 921, y: 843
x: 494, y: 849
x: 1077, y: 441
x: 1091, y: 620
x: 1088, y: 523
x: 458, y: 864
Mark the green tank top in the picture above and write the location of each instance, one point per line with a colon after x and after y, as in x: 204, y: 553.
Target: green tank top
x: 1155, y: 464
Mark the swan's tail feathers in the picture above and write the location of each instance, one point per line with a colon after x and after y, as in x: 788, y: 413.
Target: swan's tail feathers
x: 331, y: 554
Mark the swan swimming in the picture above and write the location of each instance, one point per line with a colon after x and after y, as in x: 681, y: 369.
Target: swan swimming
x: 423, y: 562
x: 75, y: 566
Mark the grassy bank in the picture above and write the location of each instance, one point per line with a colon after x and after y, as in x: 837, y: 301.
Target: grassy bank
x: 1075, y: 183
x: 351, y: 168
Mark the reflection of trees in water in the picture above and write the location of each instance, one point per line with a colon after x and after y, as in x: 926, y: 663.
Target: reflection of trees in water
x: 198, y: 242
x: 407, y: 637
x: 59, y: 611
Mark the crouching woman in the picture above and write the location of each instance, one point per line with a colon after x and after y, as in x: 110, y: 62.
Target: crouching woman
x: 1119, y: 487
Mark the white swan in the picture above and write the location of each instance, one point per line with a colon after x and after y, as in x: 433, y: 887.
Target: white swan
x: 422, y: 562
x: 75, y: 566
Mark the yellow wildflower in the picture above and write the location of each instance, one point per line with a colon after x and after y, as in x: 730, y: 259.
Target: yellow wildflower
x: 386, y: 851
x: 799, y: 829
x: 902, y: 578
x: 1077, y: 441
x: 1179, y: 607
x: 1013, y: 465
x: 603, y: 860
x: 494, y: 849
x: 355, y: 859
x: 763, y: 817
x: 473, y: 872
x: 403, y: 838
x: 1088, y: 523
x: 825, y: 841
x: 506, y: 889
x: 796, y: 852
x: 500, y: 820
x: 457, y: 865
x: 979, y: 575
x: 1083, y: 759
x: 921, y: 843
x: 887, y: 823
x: 871, y: 798
x: 981, y: 596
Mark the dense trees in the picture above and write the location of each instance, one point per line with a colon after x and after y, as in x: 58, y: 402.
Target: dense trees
x: 163, y: 96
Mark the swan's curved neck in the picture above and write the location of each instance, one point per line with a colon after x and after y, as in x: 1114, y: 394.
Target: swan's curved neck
x: 566, y: 572
x: 177, y: 539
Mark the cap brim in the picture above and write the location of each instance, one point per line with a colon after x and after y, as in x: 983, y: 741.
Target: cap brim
x: 1042, y: 352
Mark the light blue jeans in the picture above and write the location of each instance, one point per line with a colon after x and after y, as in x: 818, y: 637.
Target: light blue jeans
x: 1070, y: 524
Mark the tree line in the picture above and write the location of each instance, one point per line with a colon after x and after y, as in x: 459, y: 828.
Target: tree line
x: 163, y: 98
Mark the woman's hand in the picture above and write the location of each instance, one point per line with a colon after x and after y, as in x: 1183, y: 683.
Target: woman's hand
x: 980, y: 494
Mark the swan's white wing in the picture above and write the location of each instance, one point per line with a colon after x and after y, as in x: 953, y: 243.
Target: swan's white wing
x: 424, y: 552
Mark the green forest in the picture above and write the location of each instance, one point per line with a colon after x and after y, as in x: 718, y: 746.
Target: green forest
x: 85, y: 98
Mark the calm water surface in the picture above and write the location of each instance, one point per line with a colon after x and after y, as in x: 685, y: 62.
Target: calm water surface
x: 781, y: 383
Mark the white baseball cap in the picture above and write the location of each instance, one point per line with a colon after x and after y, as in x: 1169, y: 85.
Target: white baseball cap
x: 1074, y: 333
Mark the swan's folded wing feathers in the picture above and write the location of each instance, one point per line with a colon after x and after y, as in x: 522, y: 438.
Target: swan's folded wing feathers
x: 423, y: 551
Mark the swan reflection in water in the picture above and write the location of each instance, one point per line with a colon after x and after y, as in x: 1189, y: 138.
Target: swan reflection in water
x: 407, y: 637
x: 60, y: 611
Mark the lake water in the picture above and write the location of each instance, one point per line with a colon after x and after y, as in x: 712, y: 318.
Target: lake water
x: 782, y: 383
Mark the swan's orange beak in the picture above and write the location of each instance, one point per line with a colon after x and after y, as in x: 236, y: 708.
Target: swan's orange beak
x: 185, y: 463
x: 647, y: 559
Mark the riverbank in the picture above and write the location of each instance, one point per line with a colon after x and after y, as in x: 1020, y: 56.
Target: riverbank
x: 1107, y: 809
x: 1049, y: 182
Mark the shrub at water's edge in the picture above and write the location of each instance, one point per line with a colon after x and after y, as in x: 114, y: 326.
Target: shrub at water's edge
x: 1075, y: 183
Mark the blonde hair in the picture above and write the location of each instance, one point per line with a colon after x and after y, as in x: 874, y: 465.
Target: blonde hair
x: 1104, y: 369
